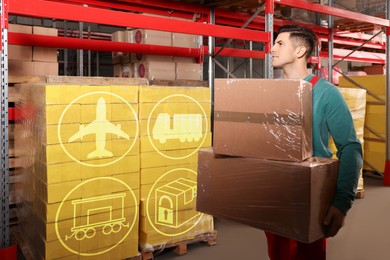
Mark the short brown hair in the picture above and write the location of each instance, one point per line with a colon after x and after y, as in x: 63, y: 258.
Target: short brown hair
x: 303, y: 34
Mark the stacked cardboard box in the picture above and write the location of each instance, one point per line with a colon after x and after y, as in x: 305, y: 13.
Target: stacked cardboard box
x: 272, y: 182
x: 375, y: 119
x: 174, y: 125
x: 32, y: 61
x: 277, y: 126
x: 80, y: 180
x: 356, y: 101
x: 157, y: 67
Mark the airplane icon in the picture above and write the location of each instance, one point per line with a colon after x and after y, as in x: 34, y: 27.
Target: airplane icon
x: 100, y: 127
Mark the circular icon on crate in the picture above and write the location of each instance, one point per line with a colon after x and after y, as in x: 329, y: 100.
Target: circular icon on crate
x: 171, y: 203
x: 103, y: 209
x: 177, y: 122
x: 106, y: 132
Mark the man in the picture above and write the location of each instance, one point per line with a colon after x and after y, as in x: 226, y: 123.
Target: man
x: 331, y: 116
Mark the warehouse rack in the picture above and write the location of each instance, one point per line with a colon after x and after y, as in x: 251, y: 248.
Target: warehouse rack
x: 209, y: 21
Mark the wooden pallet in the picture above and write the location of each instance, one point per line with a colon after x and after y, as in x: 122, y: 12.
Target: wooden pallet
x: 180, y: 248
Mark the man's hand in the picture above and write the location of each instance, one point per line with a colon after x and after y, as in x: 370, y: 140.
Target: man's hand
x: 334, y: 220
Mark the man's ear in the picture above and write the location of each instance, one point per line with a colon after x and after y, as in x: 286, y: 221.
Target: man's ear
x: 301, y: 51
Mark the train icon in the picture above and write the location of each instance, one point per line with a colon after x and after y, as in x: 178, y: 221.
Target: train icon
x: 98, y: 213
x: 184, y: 127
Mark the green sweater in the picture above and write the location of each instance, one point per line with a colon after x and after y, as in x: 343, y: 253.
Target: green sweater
x: 331, y: 117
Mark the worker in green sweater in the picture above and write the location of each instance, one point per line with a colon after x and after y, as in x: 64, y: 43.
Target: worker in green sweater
x: 331, y: 117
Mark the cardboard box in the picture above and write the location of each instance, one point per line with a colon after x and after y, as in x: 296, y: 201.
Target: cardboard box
x: 375, y: 70
x: 45, y: 68
x: 139, y: 57
x: 189, y: 71
x: 185, y: 40
x: 44, y: 54
x: 184, y: 59
x: 263, y: 118
x: 44, y: 31
x: 152, y: 37
x: 18, y: 52
x: 17, y: 28
x: 290, y: 199
x: 117, y: 37
x: 20, y: 68
x: 155, y: 70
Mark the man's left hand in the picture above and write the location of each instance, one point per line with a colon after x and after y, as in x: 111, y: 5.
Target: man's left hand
x: 334, y: 220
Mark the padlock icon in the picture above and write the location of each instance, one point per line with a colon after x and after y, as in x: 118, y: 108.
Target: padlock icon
x: 165, y: 214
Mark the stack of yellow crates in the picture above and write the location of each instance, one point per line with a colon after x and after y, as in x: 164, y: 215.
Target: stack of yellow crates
x: 80, y: 181
x: 375, y: 120
x: 356, y: 101
x: 174, y: 125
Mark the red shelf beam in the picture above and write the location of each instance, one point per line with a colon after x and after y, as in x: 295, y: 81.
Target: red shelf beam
x: 38, y: 8
x: 358, y: 56
x: 318, y: 8
x: 101, y: 45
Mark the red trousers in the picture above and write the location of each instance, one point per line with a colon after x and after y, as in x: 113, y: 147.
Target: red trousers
x: 281, y: 248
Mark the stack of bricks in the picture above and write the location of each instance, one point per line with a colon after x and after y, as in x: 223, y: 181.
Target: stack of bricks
x: 156, y: 67
x: 32, y: 61
x: 174, y: 125
x: 80, y: 177
x: 375, y: 120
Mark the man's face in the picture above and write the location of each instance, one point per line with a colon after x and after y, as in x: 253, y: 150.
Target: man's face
x: 283, y: 51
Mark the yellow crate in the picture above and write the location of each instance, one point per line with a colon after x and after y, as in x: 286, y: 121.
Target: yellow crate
x: 127, y: 217
x: 151, y: 208
x: 56, y: 173
x: 190, y: 107
x: 168, y: 158
x: 174, y: 144
x: 48, y: 212
x: 114, y: 113
x: 51, y: 114
x: 376, y: 122
x: 154, y: 94
x: 49, y: 134
x: 376, y: 109
x: 55, y: 250
x: 370, y: 135
x: 376, y: 159
x: 128, y: 93
x: 163, y: 234
x: 78, y: 189
x: 374, y: 146
x: 52, y: 154
x: 375, y: 83
x: 59, y: 94
x: 170, y: 129
x: 168, y: 173
x: 87, y: 151
x: 374, y: 99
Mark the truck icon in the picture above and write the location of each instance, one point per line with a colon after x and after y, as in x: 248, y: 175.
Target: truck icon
x: 184, y: 127
x: 86, y: 222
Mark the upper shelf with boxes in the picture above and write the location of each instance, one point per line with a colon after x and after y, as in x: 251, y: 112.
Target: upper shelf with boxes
x: 156, y: 67
x: 32, y: 60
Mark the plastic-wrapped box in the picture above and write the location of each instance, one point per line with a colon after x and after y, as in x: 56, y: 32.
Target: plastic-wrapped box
x: 263, y: 118
x: 286, y: 198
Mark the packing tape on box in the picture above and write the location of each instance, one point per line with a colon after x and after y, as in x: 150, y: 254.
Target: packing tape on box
x: 262, y: 118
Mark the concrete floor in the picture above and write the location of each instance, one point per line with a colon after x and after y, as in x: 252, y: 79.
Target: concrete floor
x: 366, y: 235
